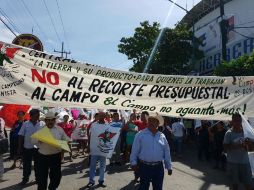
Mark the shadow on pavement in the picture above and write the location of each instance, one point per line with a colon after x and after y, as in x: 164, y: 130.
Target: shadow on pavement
x: 18, y: 187
x: 131, y: 186
x: 210, y: 175
x: 117, y: 169
x: 74, y: 168
x: 91, y: 188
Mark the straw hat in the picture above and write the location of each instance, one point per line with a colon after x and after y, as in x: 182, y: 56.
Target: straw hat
x: 158, y: 117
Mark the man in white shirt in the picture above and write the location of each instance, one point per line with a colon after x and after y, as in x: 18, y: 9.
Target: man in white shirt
x: 29, y: 151
x: 95, y: 152
x: 178, y: 131
x: 49, y: 157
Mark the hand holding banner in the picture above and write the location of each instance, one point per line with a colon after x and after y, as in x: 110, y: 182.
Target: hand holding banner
x: 44, y: 135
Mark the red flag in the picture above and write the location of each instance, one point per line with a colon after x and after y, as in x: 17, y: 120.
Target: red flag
x: 9, y: 113
x: 11, y: 51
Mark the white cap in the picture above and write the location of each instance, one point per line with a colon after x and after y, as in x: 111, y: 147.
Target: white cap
x: 50, y: 115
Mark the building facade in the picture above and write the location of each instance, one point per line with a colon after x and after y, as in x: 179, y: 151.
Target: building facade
x: 240, y: 30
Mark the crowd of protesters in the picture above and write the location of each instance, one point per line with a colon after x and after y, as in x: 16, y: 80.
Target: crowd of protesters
x: 222, y: 144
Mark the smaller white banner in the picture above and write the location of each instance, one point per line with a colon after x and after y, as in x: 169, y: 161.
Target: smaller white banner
x: 103, y: 139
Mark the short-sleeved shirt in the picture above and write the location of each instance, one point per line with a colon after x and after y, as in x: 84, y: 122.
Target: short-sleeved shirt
x: 59, y: 134
x: 67, y: 127
x: 27, y: 130
x: 236, y: 156
x: 141, y: 125
x: 15, y: 129
x: 177, y: 129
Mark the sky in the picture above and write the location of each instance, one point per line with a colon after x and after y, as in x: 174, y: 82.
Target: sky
x: 92, y: 29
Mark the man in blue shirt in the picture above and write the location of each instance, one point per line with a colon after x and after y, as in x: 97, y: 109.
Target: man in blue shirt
x: 150, y: 149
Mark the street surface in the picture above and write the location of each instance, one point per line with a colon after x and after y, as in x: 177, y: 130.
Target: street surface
x: 188, y: 174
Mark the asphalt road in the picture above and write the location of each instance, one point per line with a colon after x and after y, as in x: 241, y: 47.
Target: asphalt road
x: 188, y: 174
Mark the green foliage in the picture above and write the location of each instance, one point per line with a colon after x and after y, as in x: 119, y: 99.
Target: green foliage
x: 243, y: 66
x: 172, y: 55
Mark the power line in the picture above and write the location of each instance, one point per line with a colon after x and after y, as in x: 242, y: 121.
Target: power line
x: 35, y: 21
x: 9, y: 20
x: 14, y: 10
x: 244, y: 27
x: 248, y: 30
x: 245, y: 23
x: 8, y: 27
x: 65, y: 36
x: 243, y: 35
x: 51, y: 19
x: 62, y: 51
x: 206, y: 24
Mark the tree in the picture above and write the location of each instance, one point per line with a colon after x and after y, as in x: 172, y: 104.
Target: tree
x: 244, y: 65
x: 173, y: 52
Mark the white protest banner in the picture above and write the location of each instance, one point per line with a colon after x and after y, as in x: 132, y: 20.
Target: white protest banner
x: 35, y: 78
x: 103, y: 139
x: 248, y: 131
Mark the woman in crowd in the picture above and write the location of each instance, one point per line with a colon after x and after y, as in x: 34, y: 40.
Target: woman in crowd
x: 68, y: 129
x: 79, y: 134
x: 131, y: 129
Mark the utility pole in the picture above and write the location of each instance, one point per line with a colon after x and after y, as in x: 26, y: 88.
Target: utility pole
x: 223, y: 31
x: 193, y: 61
x: 62, y: 51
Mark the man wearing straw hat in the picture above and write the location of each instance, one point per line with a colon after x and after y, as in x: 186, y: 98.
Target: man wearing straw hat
x: 49, y: 157
x: 151, y: 148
